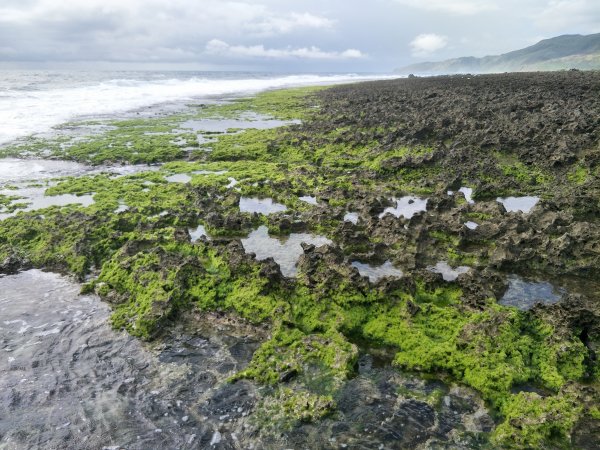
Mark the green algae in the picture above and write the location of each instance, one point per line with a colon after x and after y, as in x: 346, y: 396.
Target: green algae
x: 150, y: 273
x: 526, y: 175
x: 579, y: 174
x: 391, y: 160
x: 282, y: 104
x: 9, y: 203
x: 533, y: 421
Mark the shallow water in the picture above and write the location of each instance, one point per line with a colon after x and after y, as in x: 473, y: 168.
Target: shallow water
x: 56, y: 97
x: 69, y: 381
x: 20, y: 171
x: 468, y: 193
x: 406, y: 207
x: 285, y: 251
x: 14, y: 170
x: 225, y: 125
x: 522, y: 204
x: 264, y: 206
x: 375, y: 273
x: 524, y: 294
x: 36, y: 199
x: 351, y: 217
x: 179, y: 178
x: 308, y: 199
x: 197, y: 233
x: 121, y: 208
x: 29, y: 180
x: 209, y: 172
x: 448, y: 273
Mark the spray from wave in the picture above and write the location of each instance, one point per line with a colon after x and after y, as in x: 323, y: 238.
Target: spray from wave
x: 40, y: 107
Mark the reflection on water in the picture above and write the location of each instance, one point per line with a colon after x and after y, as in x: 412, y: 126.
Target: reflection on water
x: 448, y: 273
x: 209, y: 172
x: 24, y: 177
x: 17, y: 170
x: 197, y: 233
x: 264, y: 206
x: 69, y: 381
x: 121, y: 208
x: 179, y: 178
x: 406, y: 207
x: 248, y: 121
x: 468, y: 193
x: 525, y: 294
x: 35, y: 198
x: 514, y: 204
x: 351, y: 217
x: 74, y: 372
x: 375, y: 273
x: 285, y: 251
x: 308, y: 199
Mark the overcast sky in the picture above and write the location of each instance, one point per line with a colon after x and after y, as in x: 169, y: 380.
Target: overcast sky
x: 282, y: 35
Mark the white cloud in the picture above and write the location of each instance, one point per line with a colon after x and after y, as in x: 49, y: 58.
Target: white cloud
x: 221, y: 48
x: 426, y: 44
x: 209, y: 15
x: 458, y: 7
x: 578, y: 15
x: 145, y: 30
x: 281, y: 24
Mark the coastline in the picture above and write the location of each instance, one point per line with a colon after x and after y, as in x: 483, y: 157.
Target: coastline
x: 359, y: 149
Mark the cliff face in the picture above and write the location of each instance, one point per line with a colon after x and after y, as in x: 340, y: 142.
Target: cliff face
x: 561, y: 52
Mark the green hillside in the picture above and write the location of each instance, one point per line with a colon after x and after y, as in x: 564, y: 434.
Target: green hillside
x: 558, y: 53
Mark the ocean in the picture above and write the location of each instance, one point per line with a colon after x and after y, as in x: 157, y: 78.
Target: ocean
x: 35, y: 101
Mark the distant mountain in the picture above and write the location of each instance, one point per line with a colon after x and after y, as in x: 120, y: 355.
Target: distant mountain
x: 572, y: 51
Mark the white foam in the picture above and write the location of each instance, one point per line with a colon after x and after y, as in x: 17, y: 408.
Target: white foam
x: 24, y: 112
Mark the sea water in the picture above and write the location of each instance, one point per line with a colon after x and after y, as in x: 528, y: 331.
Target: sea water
x: 35, y: 101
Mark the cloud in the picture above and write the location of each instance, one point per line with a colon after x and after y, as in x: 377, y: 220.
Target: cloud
x: 8, y: 51
x: 247, y: 17
x: 142, y: 30
x: 458, y: 7
x: 577, y: 15
x: 426, y: 44
x: 281, y: 24
x: 221, y: 48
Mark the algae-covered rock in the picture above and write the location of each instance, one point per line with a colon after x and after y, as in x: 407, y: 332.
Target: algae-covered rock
x: 365, y: 147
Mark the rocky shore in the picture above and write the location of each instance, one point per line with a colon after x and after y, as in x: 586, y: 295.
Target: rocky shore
x: 416, y: 259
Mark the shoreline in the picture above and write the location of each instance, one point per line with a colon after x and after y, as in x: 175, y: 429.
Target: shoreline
x: 42, y: 103
x: 389, y: 152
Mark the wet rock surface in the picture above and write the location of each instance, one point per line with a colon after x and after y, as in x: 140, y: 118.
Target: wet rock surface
x: 300, y: 370
x: 546, y: 118
x: 72, y: 382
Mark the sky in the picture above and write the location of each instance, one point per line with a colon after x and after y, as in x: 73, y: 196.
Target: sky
x: 277, y: 35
